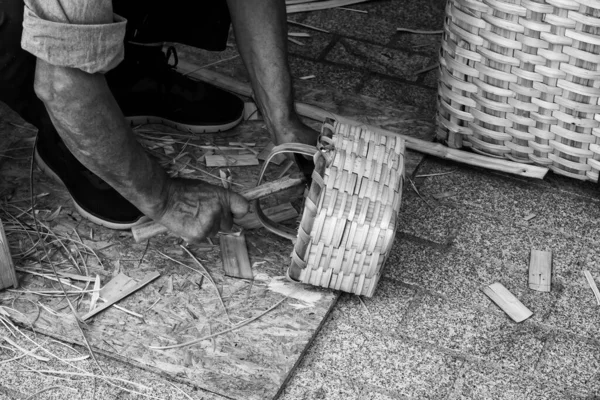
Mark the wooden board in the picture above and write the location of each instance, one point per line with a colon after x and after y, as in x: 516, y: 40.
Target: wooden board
x: 250, y: 363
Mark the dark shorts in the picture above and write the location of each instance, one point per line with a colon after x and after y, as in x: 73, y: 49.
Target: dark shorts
x: 203, y: 24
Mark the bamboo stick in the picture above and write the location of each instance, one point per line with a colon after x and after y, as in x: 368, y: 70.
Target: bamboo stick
x: 8, y: 276
x: 320, y: 5
x: 422, y: 146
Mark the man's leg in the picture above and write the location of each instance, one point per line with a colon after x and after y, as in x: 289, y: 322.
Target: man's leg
x: 146, y: 85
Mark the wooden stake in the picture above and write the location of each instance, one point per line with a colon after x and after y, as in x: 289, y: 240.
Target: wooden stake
x: 234, y: 254
x: 147, y: 279
x: 422, y: 146
x: 8, y: 276
x: 507, y: 302
x: 540, y: 270
x: 592, y: 284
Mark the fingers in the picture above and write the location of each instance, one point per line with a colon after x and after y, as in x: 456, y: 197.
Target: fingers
x: 239, y: 205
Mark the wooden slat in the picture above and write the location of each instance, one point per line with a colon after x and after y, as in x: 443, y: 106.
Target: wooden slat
x: 507, y: 302
x: 8, y: 277
x: 278, y: 159
x: 234, y: 254
x: 231, y: 160
x: 149, y: 278
x: 540, y: 270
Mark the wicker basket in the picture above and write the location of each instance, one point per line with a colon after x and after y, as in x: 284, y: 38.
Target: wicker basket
x: 520, y: 79
x: 349, y: 219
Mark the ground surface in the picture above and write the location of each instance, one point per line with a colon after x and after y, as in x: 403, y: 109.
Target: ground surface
x: 429, y: 332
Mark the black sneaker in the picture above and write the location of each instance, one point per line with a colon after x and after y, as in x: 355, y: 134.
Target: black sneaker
x: 94, y: 199
x: 149, y: 90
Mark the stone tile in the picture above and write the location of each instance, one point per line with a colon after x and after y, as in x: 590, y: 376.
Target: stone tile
x: 308, y: 384
x: 576, y: 310
x: 384, y: 311
x: 412, y: 14
x: 423, y: 45
x: 452, y: 274
x: 402, y: 93
x: 313, y: 46
x: 384, y: 60
x: 440, y: 225
x: 373, y: 27
x: 573, y: 362
x: 479, y: 382
x: 404, y: 368
x: 343, y: 79
x: 493, y: 337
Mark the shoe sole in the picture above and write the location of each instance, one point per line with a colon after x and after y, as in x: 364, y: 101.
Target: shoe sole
x: 147, y: 119
x: 111, y: 225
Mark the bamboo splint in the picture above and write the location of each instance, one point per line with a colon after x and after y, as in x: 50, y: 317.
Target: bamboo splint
x: 8, y: 276
x: 150, y: 229
x: 422, y: 146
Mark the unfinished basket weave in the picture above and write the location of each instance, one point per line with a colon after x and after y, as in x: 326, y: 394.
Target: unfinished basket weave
x: 349, y: 218
x: 520, y: 79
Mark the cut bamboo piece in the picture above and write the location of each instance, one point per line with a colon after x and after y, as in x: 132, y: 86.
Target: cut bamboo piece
x: 279, y: 213
x: 540, y: 270
x: 96, y: 294
x: 123, y: 293
x: 8, y: 276
x: 278, y: 159
x: 592, y: 284
x: 150, y: 229
x: 234, y: 254
x: 320, y: 5
x: 232, y: 160
x: 507, y: 302
x: 422, y: 146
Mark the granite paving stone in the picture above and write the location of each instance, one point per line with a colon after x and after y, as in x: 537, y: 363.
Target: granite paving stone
x: 402, y: 93
x: 384, y: 60
x: 573, y: 362
x: 481, y: 382
x: 341, y: 78
x: 576, y: 310
x: 489, y: 336
x: 310, y: 384
x: 311, y: 47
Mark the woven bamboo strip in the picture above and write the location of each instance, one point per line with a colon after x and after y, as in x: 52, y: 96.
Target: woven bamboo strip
x: 521, y: 80
x: 419, y: 145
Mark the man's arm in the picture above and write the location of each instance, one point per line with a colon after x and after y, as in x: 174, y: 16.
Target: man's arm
x: 261, y: 34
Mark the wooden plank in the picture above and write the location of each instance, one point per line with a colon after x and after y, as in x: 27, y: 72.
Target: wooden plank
x: 231, y: 160
x: 507, y: 302
x: 8, y: 276
x: 279, y: 213
x: 592, y: 284
x: 540, y: 270
x: 124, y: 293
x: 234, y: 254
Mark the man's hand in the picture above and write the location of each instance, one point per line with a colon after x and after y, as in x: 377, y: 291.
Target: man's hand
x: 196, y: 209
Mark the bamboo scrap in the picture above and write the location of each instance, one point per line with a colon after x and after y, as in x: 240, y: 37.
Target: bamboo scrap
x: 320, y: 5
x: 117, y: 292
x: 278, y: 159
x: 540, y: 270
x: 422, y: 146
x: 232, y: 160
x: 234, y: 254
x: 8, y: 276
x: 507, y: 302
x: 592, y: 284
x: 279, y: 213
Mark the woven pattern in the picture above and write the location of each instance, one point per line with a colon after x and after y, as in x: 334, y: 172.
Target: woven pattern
x: 349, y: 219
x: 520, y: 79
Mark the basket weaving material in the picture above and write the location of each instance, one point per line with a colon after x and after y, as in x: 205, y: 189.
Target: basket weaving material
x: 520, y: 79
x: 349, y: 219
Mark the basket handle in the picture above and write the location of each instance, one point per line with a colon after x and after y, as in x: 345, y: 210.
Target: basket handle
x: 294, y: 148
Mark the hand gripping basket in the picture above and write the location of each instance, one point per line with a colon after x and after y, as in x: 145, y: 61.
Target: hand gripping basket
x: 349, y: 219
x: 520, y: 79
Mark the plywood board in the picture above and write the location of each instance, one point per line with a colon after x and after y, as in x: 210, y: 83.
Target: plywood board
x: 252, y: 362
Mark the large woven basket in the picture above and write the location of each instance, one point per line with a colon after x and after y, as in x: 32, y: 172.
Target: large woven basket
x: 349, y: 219
x: 520, y: 79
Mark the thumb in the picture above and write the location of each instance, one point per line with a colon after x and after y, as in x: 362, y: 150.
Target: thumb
x: 239, y: 205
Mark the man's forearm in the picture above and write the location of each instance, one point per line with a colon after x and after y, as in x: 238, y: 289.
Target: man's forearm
x: 92, y: 126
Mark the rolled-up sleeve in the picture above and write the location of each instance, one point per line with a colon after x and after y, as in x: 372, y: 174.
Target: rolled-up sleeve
x: 90, y: 48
